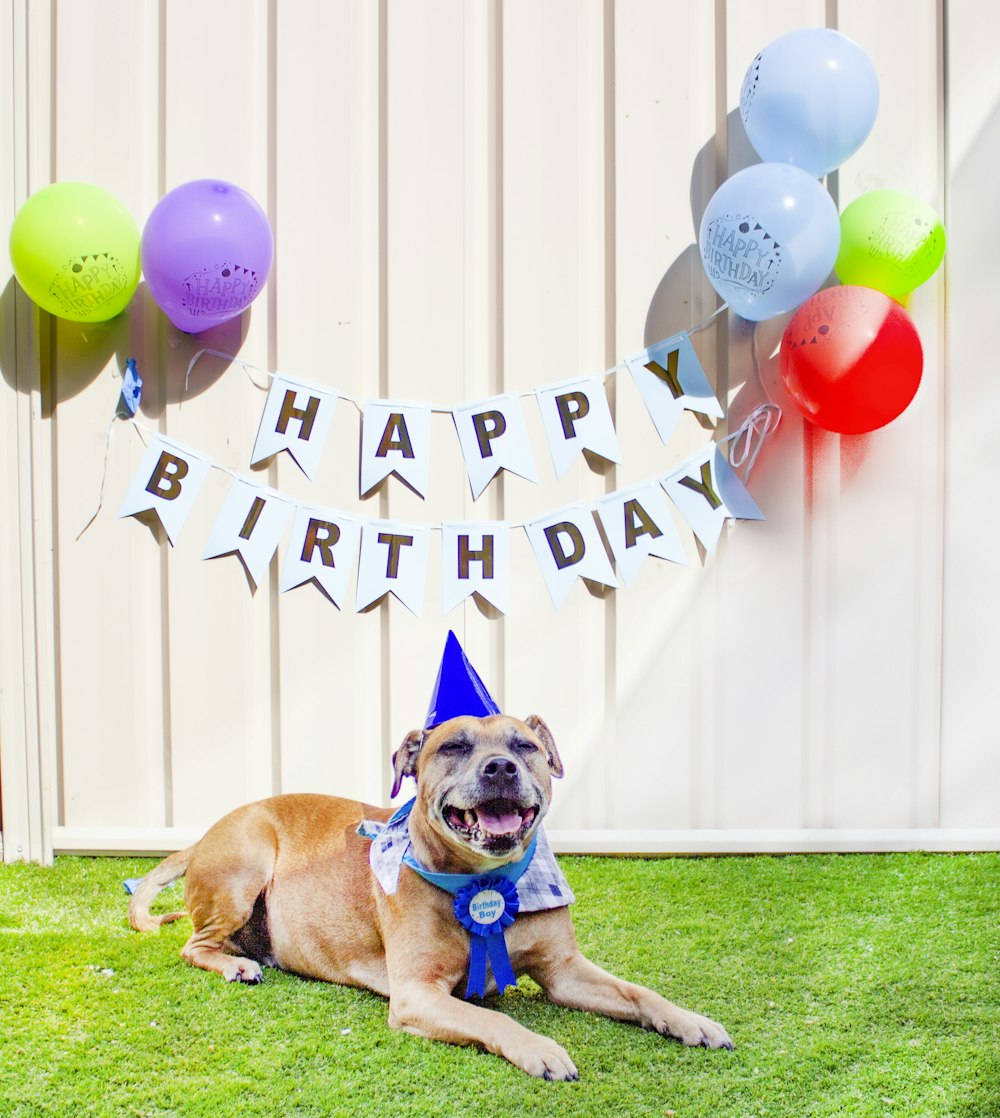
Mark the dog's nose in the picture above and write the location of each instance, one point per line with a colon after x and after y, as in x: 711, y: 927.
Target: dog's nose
x: 500, y: 766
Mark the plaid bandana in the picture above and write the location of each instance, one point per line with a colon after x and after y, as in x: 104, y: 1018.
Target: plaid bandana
x: 541, y: 886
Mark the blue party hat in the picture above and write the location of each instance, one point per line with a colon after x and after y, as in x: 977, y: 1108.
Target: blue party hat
x: 458, y: 690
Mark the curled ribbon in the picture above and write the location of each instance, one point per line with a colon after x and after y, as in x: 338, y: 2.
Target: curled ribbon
x: 749, y: 437
x: 484, y: 908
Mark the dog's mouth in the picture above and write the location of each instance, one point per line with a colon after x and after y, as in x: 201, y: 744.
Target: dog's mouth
x: 496, y: 824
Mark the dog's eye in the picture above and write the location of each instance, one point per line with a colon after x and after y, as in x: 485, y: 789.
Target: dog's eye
x: 456, y: 745
x: 523, y: 746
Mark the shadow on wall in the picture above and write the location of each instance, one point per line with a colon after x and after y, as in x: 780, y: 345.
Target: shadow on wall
x: 72, y: 355
x: 83, y: 349
x: 707, y: 176
x: 173, y: 350
x: 685, y: 281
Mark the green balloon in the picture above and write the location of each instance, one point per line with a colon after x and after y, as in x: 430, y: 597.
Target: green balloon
x: 889, y: 241
x: 75, y: 251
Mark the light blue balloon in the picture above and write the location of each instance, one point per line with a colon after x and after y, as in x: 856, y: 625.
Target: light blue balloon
x: 769, y: 239
x: 809, y: 98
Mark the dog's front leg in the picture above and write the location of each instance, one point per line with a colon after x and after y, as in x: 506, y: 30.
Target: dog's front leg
x: 428, y: 1009
x: 572, y: 980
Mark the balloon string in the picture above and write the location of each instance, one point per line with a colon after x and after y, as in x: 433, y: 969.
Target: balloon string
x: 104, y: 471
x: 755, y: 352
x: 104, y: 477
x: 748, y: 439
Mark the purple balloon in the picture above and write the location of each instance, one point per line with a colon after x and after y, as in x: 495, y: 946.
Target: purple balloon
x: 206, y: 253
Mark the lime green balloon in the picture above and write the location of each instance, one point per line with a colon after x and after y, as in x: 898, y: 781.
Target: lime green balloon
x: 75, y: 251
x: 890, y: 241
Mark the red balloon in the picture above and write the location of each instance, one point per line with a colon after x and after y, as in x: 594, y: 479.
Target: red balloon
x: 851, y: 359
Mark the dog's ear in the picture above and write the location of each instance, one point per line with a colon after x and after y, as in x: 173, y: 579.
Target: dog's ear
x: 404, y: 760
x: 544, y: 735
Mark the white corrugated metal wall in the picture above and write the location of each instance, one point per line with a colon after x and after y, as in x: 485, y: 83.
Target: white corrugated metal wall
x: 469, y: 197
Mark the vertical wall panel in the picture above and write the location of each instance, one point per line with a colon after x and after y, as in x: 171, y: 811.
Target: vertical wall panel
x: 220, y: 636
x: 470, y: 199
x: 328, y: 228
x: 111, y: 643
x: 665, y: 125
x: 970, y: 763
x: 554, y: 311
x: 480, y: 626
x: 759, y: 639
x: 28, y: 738
x: 889, y: 508
x: 425, y: 260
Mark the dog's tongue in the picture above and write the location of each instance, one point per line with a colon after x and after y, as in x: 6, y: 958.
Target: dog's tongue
x: 504, y: 823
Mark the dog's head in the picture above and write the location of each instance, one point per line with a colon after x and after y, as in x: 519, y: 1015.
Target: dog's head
x: 483, y: 787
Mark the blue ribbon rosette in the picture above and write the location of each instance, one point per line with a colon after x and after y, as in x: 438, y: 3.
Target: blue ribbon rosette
x: 485, y: 907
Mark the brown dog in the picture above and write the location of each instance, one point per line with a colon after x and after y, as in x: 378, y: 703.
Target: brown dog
x: 286, y: 882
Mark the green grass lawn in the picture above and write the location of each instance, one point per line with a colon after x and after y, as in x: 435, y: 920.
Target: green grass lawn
x: 851, y: 985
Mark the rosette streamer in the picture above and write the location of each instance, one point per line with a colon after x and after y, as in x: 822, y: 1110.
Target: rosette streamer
x: 485, y: 907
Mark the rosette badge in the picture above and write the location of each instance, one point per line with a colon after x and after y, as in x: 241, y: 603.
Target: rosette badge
x: 485, y: 907
x: 207, y: 250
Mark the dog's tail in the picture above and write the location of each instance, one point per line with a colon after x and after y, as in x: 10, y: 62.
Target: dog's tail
x: 166, y: 873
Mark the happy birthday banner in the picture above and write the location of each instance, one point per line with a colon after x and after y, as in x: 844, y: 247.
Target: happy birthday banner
x: 391, y: 557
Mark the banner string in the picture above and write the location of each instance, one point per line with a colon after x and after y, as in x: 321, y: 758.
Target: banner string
x: 706, y: 322
x: 437, y: 409
x: 346, y: 397
x: 747, y: 440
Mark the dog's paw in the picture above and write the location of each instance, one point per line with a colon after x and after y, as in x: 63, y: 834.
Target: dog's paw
x: 544, y: 1059
x: 243, y: 970
x: 693, y: 1030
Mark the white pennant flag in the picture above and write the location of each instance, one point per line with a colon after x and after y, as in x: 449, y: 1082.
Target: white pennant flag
x: 476, y: 558
x: 708, y: 492
x: 568, y: 545
x: 395, y: 439
x: 322, y: 549
x: 393, y: 561
x: 296, y: 418
x: 168, y: 481
x: 671, y: 380
x: 249, y: 525
x: 576, y: 417
x: 638, y: 523
x: 494, y: 438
